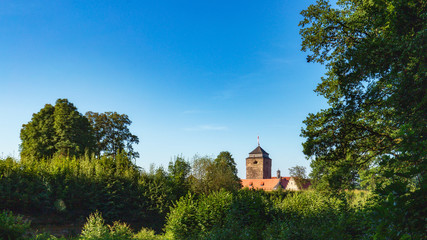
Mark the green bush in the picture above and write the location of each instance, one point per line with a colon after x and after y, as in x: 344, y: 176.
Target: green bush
x: 12, y: 227
x: 95, y: 228
x: 182, y: 219
x: 196, y: 218
x: 250, y: 214
x: 311, y: 215
x: 219, y: 215
x: 46, y: 236
x: 120, y: 231
x: 147, y: 234
x: 75, y: 187
x: 212, y: 209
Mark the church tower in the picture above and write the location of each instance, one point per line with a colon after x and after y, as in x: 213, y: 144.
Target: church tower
x: 258, y: 164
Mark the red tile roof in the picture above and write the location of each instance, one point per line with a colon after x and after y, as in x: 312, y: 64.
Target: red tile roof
x: 268, y: 184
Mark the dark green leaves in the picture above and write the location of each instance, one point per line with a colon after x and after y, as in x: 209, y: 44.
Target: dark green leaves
x: 58, y: 129
x: 375, y: 128
x: 112, y: 133
x: 62, y: 130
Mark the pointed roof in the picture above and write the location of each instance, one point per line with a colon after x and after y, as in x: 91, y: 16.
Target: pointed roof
x: 259, y: 151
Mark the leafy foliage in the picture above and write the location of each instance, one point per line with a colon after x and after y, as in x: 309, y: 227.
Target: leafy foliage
x: 73, y: 133
x: 74, y: 187
x: 375, y: 128
x: 112, y: 133
x: 148, y: 234
x: 179, y: 171
x: 71, y: 188
x: 247, y: 214
x: 58, y: 129
x: 212, y: 175
x: 62, y: 130
x: 193, y: 218
x: 46, y: 236
x: 12, y: 227
x: 250, y: 214
x: 38, y: 135
x: 95, y: 228
x: 298, y: 173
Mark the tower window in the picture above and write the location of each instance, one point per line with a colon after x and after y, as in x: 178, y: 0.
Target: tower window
x: 255, y: 162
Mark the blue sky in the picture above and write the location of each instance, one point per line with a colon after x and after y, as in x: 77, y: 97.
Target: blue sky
x: 195, y: 77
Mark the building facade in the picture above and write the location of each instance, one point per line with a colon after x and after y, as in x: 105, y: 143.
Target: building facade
x: 258, y: 164
x: 258, y: 174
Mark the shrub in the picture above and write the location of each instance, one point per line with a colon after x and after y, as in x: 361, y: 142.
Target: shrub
x: 219, y: 215
x: 12, y: 227
x: 46, y: 236
x: 247, y: 217
x: 75, y: 187
x: 196, y: 218
x: 212, y: 210
x: 182, y: 221
x: 311, y: 215
x: 94, y: 228
x: 120, y: 231
x: 147, y: 234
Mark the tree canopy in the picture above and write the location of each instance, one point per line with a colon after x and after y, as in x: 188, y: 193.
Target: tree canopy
x: 62, y: 130
x: 112, y: 133
x: 375, y: 84
x: 212, y: 175
x: 298, y: 173
x: 58, y: 129
x: 179, y: 171
x: 73, y: 133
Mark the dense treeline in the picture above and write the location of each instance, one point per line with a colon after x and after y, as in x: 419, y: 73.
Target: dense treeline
x: 173, y: 203
x: 76, y: 187
x: 250, y: 214
x: 244, y: 214
x: 72, y: 188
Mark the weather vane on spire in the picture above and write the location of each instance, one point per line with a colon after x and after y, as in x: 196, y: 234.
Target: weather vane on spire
x: 258, y: 140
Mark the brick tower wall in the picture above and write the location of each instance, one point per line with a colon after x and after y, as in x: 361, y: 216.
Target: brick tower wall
x: 258, y: 168
x: 267, y: 168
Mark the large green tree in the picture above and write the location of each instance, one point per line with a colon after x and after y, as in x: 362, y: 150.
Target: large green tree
x: 179, y: 171
x: 298, y: 173
x: 58, y: 129
x: 225, y: 172
x: 210, y: 175
x: 375, y: 55
x: 73, y: 133
x: 37, y: 136
x: 225, y: 158
x: 112, y: 133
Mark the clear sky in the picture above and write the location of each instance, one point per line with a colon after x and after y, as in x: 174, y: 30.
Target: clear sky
x: 195, y: 77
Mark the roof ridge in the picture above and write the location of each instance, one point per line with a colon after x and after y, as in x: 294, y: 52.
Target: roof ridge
x: 259, y: 149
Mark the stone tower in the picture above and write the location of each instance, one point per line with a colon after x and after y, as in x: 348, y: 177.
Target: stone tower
x: 258, y: 164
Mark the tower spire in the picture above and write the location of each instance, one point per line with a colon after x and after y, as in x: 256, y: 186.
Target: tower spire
x: 258, y: 141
